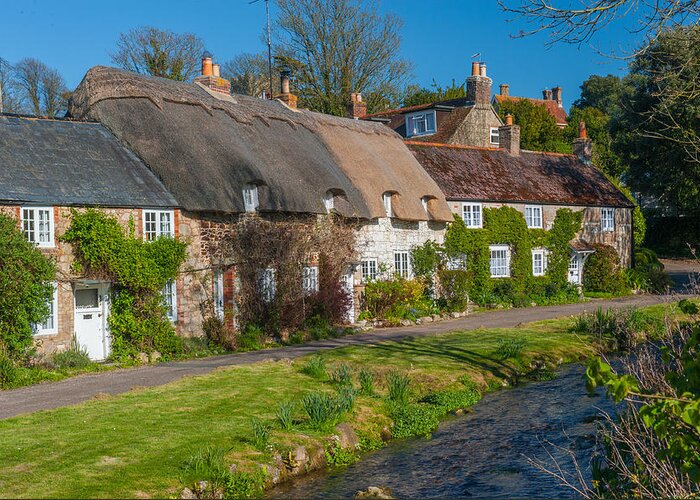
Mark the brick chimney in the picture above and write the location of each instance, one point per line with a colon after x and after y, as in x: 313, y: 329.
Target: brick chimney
x: 286, y: 96
x: 479, y: 85
x: 356, y: 108
x: 583, y: 147
x: 556, y: 95
x: 547, y: 95
x: 504, y: 89
x: 210, y: 76
x: 509, y: 137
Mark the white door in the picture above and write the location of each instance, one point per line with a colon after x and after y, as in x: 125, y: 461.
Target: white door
x: 575, y: 270
x: 349, y: 287
x: 91, y: 309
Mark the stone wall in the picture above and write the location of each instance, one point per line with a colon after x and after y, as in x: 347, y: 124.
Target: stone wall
x: 475, y: 130
x: 620, y: 238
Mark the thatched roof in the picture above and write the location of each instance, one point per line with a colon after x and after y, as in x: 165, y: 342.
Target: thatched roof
x: 205, y: 146
x: 68, y: 163
x: 484, y: 174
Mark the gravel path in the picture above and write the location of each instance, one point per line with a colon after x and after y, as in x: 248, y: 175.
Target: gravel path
x: 81, y: 388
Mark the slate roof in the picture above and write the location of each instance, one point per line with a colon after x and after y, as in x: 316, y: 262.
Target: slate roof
x: 206, y: 145
x: 483, y: 174
x: 559, y: 114
x: 70, y: 163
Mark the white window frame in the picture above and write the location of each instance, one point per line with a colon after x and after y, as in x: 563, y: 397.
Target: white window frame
x: 45, y: 328
x: 170, y: 298
x: 607, y: 220
x: 402, y: 264
x: 493, y: 132
x: 387, y: 201
x: 498, y: 262
x: 473, y: 215
x: 218, y: 293
x: 162, y: 224
x: 251, y: 200
x: 419, y: 123
x: 267, y: 285
x: 329, y: 201
x: 542, y: 254
x: 309, y: 283
x: 457, y: 263
x: 30, y: 221
x: 533, y: 216
x: 369, y: 269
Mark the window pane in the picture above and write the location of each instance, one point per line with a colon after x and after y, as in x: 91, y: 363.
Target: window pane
x: 165, y: 229
x: 430, y: 122
x: 86, y: 299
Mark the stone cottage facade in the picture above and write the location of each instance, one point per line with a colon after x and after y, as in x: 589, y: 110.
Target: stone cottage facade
x: 51, y: 167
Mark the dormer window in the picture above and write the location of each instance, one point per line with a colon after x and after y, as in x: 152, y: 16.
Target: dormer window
x: 493, y: 136
x: 386, y: 198
x: 421, y: 123
x: 250, y: 197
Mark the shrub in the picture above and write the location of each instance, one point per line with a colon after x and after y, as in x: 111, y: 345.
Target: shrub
x: 602, y: 272
x: 315, y: 367
x: 366, y: 382
x: 285, y: 414
x: 617, y: 329
x: 245, y: 484
x: 414, y: 420
x: 688, y: 307
x: 322, y: 410
x: 510, y: 347
x: 73, y: 358
x: 395, y: 299
x: 342, y: 375
x: 8, y: 370
x: 648, y: 273
x: 26, y: 277
x: 251, y: 338
x: 336, y: 455
x: 260, y: 436
x: 398, y: 384
x: 453, y: 399
x: 217, y: 333
x: 454, y: 289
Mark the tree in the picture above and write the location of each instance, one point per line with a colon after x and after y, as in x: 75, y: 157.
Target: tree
x: 248, y: 74
x: 163, y: 53
x: 415, y: 95
x: 538, y: 129
x: 41, y: 90
x: 604, y: 93
x: 335, y: 47
x: 658, y: 134
x: 26, y: 277
x: 578, y: 24
x: 8, y: 100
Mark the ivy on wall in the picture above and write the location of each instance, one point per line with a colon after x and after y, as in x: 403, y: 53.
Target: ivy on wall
x: 138, y: 270
x: 507, y: 226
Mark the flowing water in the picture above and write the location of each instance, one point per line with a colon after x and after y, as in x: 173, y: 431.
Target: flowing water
x: 482, y: 454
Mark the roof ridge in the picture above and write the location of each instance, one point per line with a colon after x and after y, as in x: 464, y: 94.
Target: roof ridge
x: 47, y: 118
x: 445, y: 145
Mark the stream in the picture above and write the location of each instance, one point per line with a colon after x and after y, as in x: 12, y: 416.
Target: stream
x: 481, y: 454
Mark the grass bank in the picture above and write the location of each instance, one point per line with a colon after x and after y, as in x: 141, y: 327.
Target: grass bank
x: 135, y: 444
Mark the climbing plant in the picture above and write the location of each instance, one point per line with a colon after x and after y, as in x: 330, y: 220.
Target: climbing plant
x: 138, y: 270
x: 468, y: 250
x: 25, y: 288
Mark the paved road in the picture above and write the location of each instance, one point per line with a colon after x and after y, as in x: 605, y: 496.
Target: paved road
x: 77, y: 389
x: 684, y: 273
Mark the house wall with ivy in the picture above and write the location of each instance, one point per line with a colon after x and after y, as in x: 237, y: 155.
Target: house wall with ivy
x: 591, y: 231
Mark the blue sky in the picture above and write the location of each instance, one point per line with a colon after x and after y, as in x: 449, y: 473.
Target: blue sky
x: 439, y: 36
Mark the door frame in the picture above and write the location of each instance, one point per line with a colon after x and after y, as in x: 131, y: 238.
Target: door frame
x: 103, y: 309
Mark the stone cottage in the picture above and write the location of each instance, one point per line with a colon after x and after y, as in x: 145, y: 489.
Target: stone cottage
x: 50, y: 167
x: 224, y: 155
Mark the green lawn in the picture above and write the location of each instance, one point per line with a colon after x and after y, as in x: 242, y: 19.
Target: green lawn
x: 134, y: 444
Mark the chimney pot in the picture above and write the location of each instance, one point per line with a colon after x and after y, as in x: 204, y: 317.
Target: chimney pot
x: 284, y: 81
x: 583, y: 146
x: 207, y: 69
x: 286, y: 96
x: 475, y: 68
x: 479, y: 85
x: 547, y: 94
x: 216, y: 69
x: 582, y: 134
x: 504, y: 89
x: 482, y: 69
x: 356, y: 108
x: 509, y: 119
